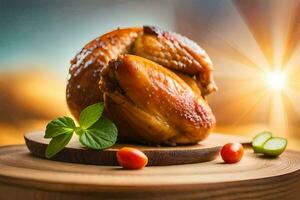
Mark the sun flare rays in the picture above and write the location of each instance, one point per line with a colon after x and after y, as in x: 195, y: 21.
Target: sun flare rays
x: 259, y: 48
x: 256, y: 52
x: 275, y: 34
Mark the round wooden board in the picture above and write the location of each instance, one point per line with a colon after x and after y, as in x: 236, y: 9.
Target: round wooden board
x: 207, y: 150
x: 23, y: 176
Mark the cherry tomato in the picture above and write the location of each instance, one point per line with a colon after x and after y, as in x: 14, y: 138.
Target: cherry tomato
x: 232, y: 152
x: 131, y: 158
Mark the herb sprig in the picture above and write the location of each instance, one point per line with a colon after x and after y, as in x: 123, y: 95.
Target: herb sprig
x: 94, y: 130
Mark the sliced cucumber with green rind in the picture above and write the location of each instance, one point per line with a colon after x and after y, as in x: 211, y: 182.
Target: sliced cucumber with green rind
x: 274, y: 146
x: 259, y: 140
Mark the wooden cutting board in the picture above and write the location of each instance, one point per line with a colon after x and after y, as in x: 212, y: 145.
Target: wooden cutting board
x: 207, y: 150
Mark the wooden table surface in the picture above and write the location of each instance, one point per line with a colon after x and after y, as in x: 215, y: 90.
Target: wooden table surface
x: 23, y: 176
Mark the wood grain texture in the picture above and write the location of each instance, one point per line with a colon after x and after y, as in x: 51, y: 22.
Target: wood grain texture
x: 158, y: 156
x: 23, y: 176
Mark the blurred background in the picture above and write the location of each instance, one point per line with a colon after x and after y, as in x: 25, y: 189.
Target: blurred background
x: 254, y: 46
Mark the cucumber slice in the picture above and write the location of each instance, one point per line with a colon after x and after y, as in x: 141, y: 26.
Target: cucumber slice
x: 274, y: 146
x: 259, y: 141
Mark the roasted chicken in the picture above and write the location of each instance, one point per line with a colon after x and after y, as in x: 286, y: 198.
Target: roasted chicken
x: 153, y: 83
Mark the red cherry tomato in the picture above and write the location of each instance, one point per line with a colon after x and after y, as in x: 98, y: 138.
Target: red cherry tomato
x: 232, y: 152
x: 131, y: 158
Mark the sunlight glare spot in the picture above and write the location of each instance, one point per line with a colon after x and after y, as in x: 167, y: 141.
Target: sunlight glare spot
x: 276, y: 80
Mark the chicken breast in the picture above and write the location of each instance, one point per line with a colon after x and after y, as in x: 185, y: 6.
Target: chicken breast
x: 155, y: 104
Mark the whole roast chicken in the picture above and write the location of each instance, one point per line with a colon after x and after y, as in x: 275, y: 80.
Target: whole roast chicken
x: 153, y: 84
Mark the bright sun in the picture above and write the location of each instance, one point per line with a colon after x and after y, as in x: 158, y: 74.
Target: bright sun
x: 265, y: 49
x: 276, y: 80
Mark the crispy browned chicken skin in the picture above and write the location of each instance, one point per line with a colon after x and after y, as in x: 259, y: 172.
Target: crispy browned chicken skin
x: 153, y: 83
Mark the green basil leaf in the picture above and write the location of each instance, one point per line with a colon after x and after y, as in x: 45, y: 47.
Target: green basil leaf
x: 90, y: 115
x: 101, y: 135
x: 57, y: 144
x: 59, y: 126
